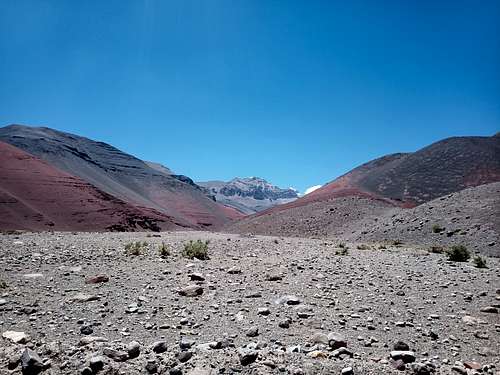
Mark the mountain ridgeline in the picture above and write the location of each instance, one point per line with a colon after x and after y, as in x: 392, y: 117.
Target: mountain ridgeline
x: 249, y: 195
x: 121, y: 175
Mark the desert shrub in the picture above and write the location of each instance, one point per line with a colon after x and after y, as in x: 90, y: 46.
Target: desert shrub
x: 458, y: 253
x: 136, y: 248
x: 382, y: 247
x: 397, y: 242
x: 363, y: 247
x: 3, y: 284
x: 436, y: 228
x: 479, y: 262
x: 342, y: 251
x: 196, y: 249
x: 436, y: 249
x: 164, y: 250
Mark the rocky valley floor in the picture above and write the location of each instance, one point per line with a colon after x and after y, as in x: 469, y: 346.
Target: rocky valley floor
x: 78, y: 304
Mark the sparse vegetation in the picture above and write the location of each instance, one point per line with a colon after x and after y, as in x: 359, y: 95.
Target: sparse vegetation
x: 3, y: 284
x: 436, y: 249
x: 479, y: 262
x: 436, y: 228
x: 458, y: 253
x: 344, y: 250
x: 196, y: 249
x: 164, y: 250
x: 397, y: 242
x: 363, y: 247
x: 136, y: 248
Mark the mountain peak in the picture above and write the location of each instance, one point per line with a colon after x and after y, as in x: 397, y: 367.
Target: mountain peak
x: 249, y: 194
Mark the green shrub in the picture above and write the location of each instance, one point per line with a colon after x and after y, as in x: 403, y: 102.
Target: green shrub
x: 436, y: 228
x: 196, y: 249
x: 458, y: 253
x: 136, y: 248
x: 164, y: 250
x: 479, y: 262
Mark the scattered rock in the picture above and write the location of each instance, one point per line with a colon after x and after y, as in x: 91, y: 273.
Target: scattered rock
x: 15, y: 336
x: 191, y: 291
x: 96, y: 363
x: 133, y: 349
x: 115, y: 355
x: 160, y: 346
x: 336, y: 341
x: 31, y: 362
x: 247, y: 356
x: 252, y: 331
x: 405, y: 355
x: 97, y: 279
x: 489, y: 309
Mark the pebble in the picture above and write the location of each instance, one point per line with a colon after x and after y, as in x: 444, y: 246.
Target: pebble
x: 191, y: 291
x: 160, y: 346
x: 96, y: 363
x: 97, y: 279
x: 405, y: 355
x: 115, y: 355
x: 133, y: 349
x: 247, y: 356
x: 336, y: 341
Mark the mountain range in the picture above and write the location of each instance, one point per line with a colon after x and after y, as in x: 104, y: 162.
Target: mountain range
x: 52, y: 180
x: 249, y: 195
x: 121, y: 175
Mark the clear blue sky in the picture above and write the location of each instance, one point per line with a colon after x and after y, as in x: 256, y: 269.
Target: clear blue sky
x: 297, y: 92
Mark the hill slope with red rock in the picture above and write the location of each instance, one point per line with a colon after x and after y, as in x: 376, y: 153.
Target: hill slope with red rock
x: 121, y: 175
x: 36, y: 196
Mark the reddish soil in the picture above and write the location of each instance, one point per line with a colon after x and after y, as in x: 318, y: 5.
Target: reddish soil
x: 36, y: 196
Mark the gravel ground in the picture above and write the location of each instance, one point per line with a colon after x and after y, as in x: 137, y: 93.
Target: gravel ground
x: 266, y: 305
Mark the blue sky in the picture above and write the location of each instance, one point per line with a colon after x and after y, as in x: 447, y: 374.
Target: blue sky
x: 297, y: 92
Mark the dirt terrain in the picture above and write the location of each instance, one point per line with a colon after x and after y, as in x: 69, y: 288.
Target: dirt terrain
x: 470, y: 217
x: 78, y: 304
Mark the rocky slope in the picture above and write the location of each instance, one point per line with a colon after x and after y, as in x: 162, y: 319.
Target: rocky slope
x: 249, y: 195
x: 410, y: 179
x: 36, y: 196
x: 121, y: 175
x: 259, y: 305
x: 469, y: 217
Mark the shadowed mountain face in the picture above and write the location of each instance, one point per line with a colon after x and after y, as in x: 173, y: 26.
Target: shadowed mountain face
x: 411, y: 179
x: 37, y: 196
x: 249, y: 195
x: 121, y: 175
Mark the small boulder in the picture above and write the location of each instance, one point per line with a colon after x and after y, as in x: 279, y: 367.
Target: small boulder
x: 31, y: 362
